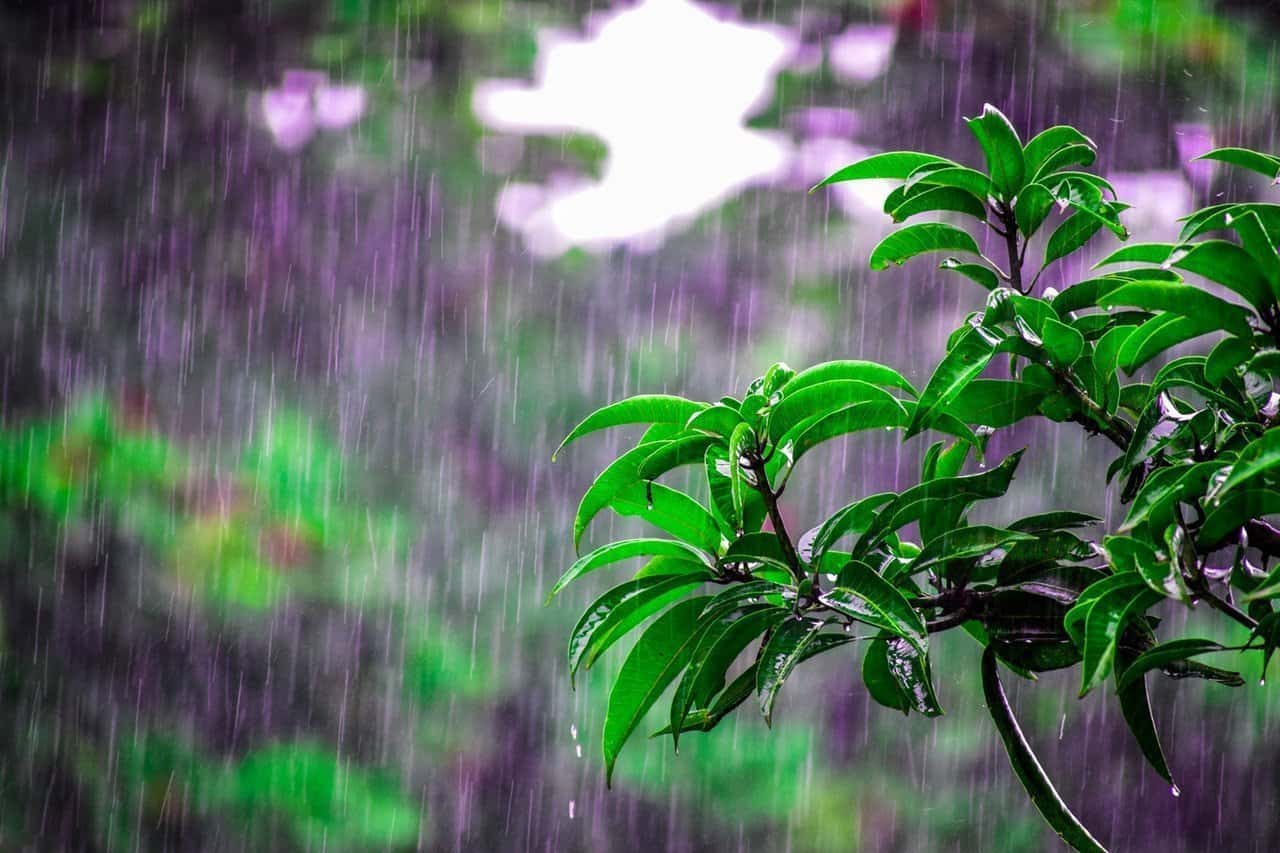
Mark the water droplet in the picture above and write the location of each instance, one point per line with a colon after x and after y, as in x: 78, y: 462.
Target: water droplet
x: 572, y: 805
x: 573, y: 730
x: 1176, y: 791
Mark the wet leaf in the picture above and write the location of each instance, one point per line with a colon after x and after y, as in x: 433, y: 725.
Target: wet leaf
x: 644, y: 409
x: 614, y: 552
x: 660, y: 654
x: 1027, y: 766
x: 1003, y: 149
x: 781, y: 654
x: 893, y: 165
x: 861, y: 594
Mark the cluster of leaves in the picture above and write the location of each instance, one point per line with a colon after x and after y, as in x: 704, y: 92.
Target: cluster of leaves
x: 1198, y: 464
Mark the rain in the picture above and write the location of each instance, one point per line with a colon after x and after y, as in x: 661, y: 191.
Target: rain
x: 300, y: 297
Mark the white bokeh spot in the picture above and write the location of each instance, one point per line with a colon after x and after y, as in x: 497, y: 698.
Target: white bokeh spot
x: 668, y: 87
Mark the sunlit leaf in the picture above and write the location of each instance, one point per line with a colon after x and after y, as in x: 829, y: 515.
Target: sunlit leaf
x: 964, y: 362
x: 672, y: 511
x: 849, y: 369
x: 914, y: 240
x: 660, y: 654
x: 1003, y: 149
x: 612, y: 616
x: 1254, y: 161
x: 614, y: 552
x: 1051, y: 139
x: 894, y: 165
x: 720, y: 645
x: 644, y: 409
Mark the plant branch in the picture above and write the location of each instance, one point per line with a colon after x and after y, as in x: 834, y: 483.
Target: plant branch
x: 1010, y: 222
x: 756, y: 466
x: 1226, y: 607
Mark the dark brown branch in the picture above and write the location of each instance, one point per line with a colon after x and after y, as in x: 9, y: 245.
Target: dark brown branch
x: 756, y: 466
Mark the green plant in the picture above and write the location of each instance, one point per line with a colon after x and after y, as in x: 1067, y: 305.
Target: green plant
x: 1198, y: 466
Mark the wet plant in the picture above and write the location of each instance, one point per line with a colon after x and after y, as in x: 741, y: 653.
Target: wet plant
x: 1170, y: 353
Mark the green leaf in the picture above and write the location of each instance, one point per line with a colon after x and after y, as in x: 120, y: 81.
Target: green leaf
x: 879, y: 678
x: 1258, y: 243
x: 855, y: 418
x: 1184, y: 300
x: 1135, y: 705
x: 662, y: 651
x: 1075, y: 619
x: 784, y: 650
x: 1126, y: 554
x: 1231, y: 512
x: 1227, y: 264
x: 1163, y: 490
x: 1003, y: 150
x: 1261, y: 456
x: 1027, y: 767
x: 1216, y: 218
x: 717, y: 649
x: 910, y: 669
x: 959, y: 177
x: 761, y: 547
x: 821, y: 399
x: 1032, y: 208
x: 917, y: 501
x: 964, y: 362
x: 612, y: 616
x: 614, y: 552
x: 1067, y: 155
x: 938, y: 198
x: 1084, y: 194
x: 621, y: 473
x: 1063, y: 343
x: 851, y: 518
x: 1106, y: 618
x: 983, y: 275
x: 893, y: 165
x: 1163, y: 655
x: 852, y: 369
x: 1254, y: 161
x: 683, y: 450
x: 963, y: 543
x: 716, y: 467
x: 644, y: 409
x: 1269, y: 630
x: 742, y: 440
x: 1048, y: 141
x: 995, y: 403
x: 861, y: 594
x: 718, y: 420
x: 672, y: 511
x: 1157, y: 335
x: 1226, y: 358
x: 1074, y: 232
x: 1056, y: 520
x: 917, y: 239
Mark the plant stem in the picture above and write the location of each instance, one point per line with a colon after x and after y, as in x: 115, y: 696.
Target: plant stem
x: 756, y: 465
x: 1226, y: 607
x: 1010, y: 222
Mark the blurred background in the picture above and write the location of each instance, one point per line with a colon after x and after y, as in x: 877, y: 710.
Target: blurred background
x: 299, y: 295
